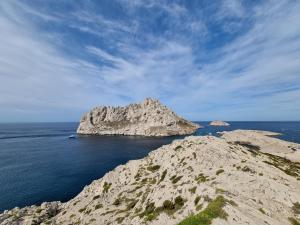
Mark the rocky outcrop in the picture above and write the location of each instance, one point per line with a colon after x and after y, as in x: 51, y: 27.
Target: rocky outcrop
x: 229, y: 180
x: 149, y: 118
x: 219, y: 123
x: 31, y: 215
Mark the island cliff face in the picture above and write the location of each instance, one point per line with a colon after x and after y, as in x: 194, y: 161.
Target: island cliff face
x: 235, y: 179
x: 149, y: 118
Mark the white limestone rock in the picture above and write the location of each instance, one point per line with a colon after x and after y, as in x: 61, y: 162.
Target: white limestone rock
x: 259, y: 187
x: 149, y: 118
x: 219, y: 123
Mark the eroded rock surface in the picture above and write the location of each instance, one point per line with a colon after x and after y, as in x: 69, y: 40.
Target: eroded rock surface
x: 149, y: 118
x: 184, y: 178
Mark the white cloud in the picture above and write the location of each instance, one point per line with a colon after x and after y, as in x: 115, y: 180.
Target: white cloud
x: 254, y: 76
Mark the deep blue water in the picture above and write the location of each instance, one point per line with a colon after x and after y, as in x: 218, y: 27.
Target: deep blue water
x: 38, y: 162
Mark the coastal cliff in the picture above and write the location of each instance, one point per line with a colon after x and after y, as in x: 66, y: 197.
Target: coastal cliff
x: 148, y: 118
x: 235, y: 179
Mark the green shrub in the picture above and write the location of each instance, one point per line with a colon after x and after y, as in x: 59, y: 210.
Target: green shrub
x: 39, y: 210
x: 213, y: 210
x: 179, y: 201
x: 219, y: 171
x: 262, y: 210
x: 207, y: 198
x: 182, y: 160
x: 117, y: 202
x: 153, y: 168
x: 197, y: 199
x: 168, y: 205
x: 82, y: 210
x: 201, y: 178
x: 194, y: 155
x: 96, y: 197
x: 296, y: 207
x: 106, y: 187
x: 163, y: 176
x: 199, y: 207
x: 247, y: 169
x: 98, y: 206
x: 231, y: 202
x: 175, y: 179
x: 294, y: 221
x: 178, y: 147
x: 193, y: 190
x: 120, y: 219
x: 151, y: 216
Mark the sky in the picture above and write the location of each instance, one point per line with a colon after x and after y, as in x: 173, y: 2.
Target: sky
x: 225, y: 59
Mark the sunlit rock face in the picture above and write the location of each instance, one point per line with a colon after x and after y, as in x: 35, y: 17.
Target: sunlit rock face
x: 148, y: 118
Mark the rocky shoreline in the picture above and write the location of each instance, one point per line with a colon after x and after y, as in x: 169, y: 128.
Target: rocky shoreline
x: 242, y: 177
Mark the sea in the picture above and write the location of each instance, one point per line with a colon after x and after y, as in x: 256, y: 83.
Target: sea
x: 39, y: 162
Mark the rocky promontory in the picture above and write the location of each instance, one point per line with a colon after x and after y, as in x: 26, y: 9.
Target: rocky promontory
x: 148, y: 118
x: 234, y: 179
x: 219, y: 123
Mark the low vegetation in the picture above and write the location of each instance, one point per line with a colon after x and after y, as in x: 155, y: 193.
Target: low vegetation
x: 201, y: 178
x: 175, y: 179
x: 296, y: 208
x: 219, y: 171
x: 178, y: 147
x: 213, y: 210
x: 287, y: 166
x: 197, y: 199
x: 106, y: 187
x: 247, y: 169
x: 294, y: 221
x: 262, y: 210
x: 163, y: 176
x: 248, y: 145
x: 98, y: 206
x: 193, y: 190
x: 96, y: 197
x: 153, y: 168
x: 151, y: 212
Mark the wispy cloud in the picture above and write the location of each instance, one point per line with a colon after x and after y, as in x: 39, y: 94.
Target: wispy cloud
x: 207, y: 61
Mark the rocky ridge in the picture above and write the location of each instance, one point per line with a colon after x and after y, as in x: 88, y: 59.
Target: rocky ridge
x: 149, y: 118
x: 232, y: 179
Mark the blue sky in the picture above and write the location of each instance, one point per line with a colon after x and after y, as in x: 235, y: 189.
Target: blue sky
x: 227, y: 60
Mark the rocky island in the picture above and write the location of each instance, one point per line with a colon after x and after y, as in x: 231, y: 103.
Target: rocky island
x: 148, y: 118
x: 235, y: 179
x: 219, y: 123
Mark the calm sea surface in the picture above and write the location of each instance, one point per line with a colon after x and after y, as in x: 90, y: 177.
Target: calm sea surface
x: 38, y: 162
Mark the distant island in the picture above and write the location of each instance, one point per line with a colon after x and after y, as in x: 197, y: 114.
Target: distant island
x: 148, y: 118
x: 241, y: 177
x: 219, y: 123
